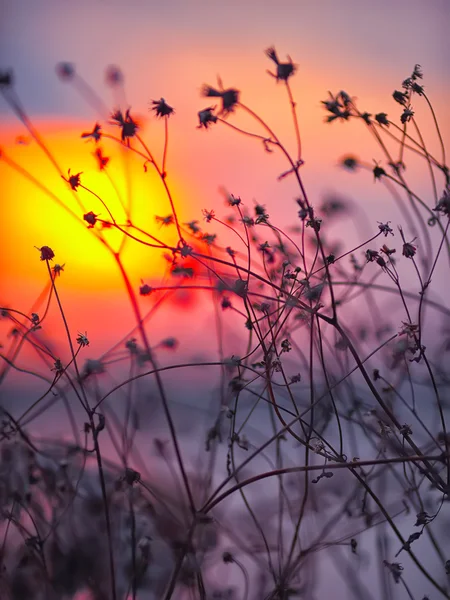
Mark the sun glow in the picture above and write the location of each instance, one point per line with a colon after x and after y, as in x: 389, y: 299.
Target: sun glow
x: 40, y: 208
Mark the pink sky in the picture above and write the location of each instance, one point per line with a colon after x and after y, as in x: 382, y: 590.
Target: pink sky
x: 170, y: 49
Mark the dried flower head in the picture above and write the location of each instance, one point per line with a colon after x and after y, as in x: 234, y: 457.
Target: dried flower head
x: 423, y: 518
x: 131, y: 476
x: 400, y: 97
x: 82, y: 339
x: 443, y: 205
x: 208, y: 215
x: 90, y: 218
x: 405, y: 429
x: 145, y: 290
x: 131, y: 346
x: 378, y: 172
x: 286, y: 346
x: 208, y: 238
x: 58, y: 367
x: 406, y: 115
x: 95, y: 134
x: 409, y: 329
x: 396, y: 570
x: 226, y: 303
x: 102, y: 161
x: 382, y: 119
x: 65, y: 71
x: 46, y: 253
x: 170, y: 343
x: 388, y: 251
x: 167, y: 220
x: 113, y: 76
x: 193, y: 226
x: 161, y: 108
x: 233, y: 200
x: 6, y: 78
x: 262, y: 216
x: 372, y: 255
x: 284, y: 70
x: 57, y: 270
x: 315, y: 223
x: 350, y: 163
x: 248, y: 221
x: 179, y: 271
x: 73, y: 180
x: 410, y: 83
x: 206, y: 117
x: 334, y: 205
x: 186, y: 250
x: 409, y: 250
x: 126, y: 122
x: 417, y: 72
x: 339, y: 106
x: 229, y: 96
x: 240, y: 287
x: 385, y: 229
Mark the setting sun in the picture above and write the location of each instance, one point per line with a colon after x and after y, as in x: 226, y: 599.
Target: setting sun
x: 54, y: 212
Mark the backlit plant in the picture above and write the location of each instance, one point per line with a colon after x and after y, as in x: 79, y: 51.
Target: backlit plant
x: 327, y: 435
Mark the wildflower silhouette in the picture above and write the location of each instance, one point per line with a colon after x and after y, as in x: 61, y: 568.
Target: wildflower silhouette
x: 6, y: 79
x: 443, y: 205
x: 65, y: 71
x: 102, y: 161
x: 127, y: 124
x: 161, y: 108
x: 57, y: 269
x: 95, y: 134
x: 82, y: 339
x: 114, y: 76
x: 338, y: 106
x: 229, y: 97
x: 206, y: 117
x: 46, y: 253
x: 73, y: 180
x: 306, y: 369
x: 90, y: 218
x: 284, y: 70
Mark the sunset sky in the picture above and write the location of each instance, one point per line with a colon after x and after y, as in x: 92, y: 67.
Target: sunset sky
x: 169, y: 50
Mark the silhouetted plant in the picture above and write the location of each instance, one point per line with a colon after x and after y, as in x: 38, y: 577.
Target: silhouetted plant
x: 320, y: 432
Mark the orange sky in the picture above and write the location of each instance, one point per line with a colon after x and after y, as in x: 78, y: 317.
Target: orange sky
x: 171, y: 53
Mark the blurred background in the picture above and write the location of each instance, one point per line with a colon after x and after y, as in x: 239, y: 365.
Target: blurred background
x: 169, y: 50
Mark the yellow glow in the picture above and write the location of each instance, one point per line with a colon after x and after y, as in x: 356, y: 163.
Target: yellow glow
x: 31, y: 216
